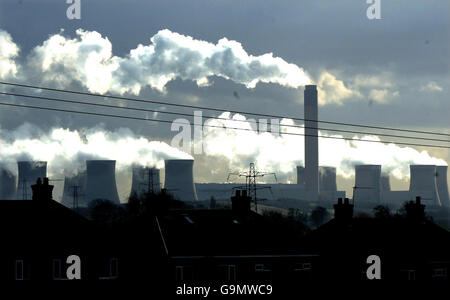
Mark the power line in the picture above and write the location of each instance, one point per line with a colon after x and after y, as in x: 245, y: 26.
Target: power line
x: 213, y: 126
x: 212, y: 117
x: 250, y: 182
x: 215, y: 109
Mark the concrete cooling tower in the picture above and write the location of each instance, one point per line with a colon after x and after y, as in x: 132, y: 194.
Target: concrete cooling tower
x: 442, y: 186
x: 145, y: 179
x: 385, y: 183
x: 7, y: 185
x: 367, y: 184
x: 423, y: 184
x: 327, y: 179
x: 28, y: 173
x: 179, y: 179
x: 301, y: 176
x: 75, y: 187
x: 101, y: 180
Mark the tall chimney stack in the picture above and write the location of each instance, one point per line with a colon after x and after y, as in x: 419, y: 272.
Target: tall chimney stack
x: 311, y: 143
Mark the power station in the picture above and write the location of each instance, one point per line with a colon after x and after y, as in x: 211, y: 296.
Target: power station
x: 367, y: 183
x: 145, y: 180
x: 423, y: 183
x: 75, y: 191
x: 311, y: 143
x: 101, y: 180
x: 28, y: 173
x: 315, y: 184
x: 442, y: 186
x: 179, y: 179
x: 7, y: 184
x: 327, y: 179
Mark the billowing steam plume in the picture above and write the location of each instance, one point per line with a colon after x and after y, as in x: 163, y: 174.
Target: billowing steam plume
x: 67, y: 150
x: 283, y: 153
x: 88, y: 60
x: 8, y: 51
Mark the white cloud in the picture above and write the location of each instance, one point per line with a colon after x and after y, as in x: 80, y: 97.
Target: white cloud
x: 431, y: 87
x: 381, y: 81
x: 88, y: 60
x: 382, y: 95
x: 8, y: 51
x: 333, y: 90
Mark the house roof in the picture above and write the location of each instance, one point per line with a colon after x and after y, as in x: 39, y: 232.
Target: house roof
x: 386, y: 235
x: 23, y: 211
x: 221, y: 233
x: 40, y: 224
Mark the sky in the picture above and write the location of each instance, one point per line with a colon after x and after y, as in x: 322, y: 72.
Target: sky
x: 253, y: 56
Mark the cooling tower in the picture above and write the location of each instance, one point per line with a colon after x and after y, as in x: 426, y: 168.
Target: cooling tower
x: 311, y: 143
x: 28, y: 173
x: 367, y: 184
x: 179, y: 179
x: 385, y: 183
x: 7, y: 185
x: 301, y: 176
x: 144, y: 180
x: 327, y: 179
x: 101, y: 180
x: 423, y: 184
x: 75, y: 187
x: 442, y: 186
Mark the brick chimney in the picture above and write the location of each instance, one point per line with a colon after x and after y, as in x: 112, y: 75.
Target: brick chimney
x: 415, y: 210
x: 42, y: 191
x: 240, y: 203
x: 343, y: 211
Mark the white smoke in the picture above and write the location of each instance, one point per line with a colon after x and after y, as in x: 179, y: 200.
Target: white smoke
x: 67, y: 150
x: 88, y: 60
x: 282, y: 153
x: 8, y: 52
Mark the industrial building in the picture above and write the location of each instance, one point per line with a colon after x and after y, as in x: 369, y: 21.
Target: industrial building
x: 367, y: 183
x: 442, y: 185
x: 145, y: 180
x: 279, y: 194
x: 101, y: 180
x: 7, y: 184
x: 83, y: 187
x: 311, y: 143
x: 179, y: 179
x: 315, y: 184
x: 75, y: 191
x: 372, y: 187
x: 28, y: 173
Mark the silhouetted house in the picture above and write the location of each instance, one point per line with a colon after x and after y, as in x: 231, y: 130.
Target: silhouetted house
x: 233, y: 245
x: 39, y: 235
x: 410, y: 247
